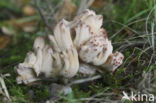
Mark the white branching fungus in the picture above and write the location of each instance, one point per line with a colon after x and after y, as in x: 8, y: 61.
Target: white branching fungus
x: 96, y: 50
x: 35, y: 63
x: 66, y: 57
x: 59, y: 60
x: 82, y: 34
x: 92, y: 42
x: 26, y: 75
x: 114, y: 61
x: 61, y: 57
x: 87, y: 70
x: 89, y: 18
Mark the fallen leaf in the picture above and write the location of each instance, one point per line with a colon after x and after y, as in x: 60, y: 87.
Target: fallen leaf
x: 4, y: 41
x: 67, y: 10
x: 13, y: 26
x: 116, y: 91
x: 128, y: 31
x: 27, y: 26
x: 29, y: 10
x: 99, y: 3
x: 134, y: 59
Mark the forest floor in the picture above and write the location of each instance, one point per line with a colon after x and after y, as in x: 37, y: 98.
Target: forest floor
x: 130, y: 25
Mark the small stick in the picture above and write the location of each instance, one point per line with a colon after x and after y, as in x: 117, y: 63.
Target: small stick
x: 85, y: 80
x: 4, y: 88
x: 42, y: 16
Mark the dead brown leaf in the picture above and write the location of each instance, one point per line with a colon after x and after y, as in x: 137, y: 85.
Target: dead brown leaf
x: 128, y: 31
x: 28, y: 26
x: 134, y: 59
x: 116, y: 91
x: 99, y: 3
x: 4, y: 41
x: 13, y: 26
x: 67, y: 10
x: 29, y: 10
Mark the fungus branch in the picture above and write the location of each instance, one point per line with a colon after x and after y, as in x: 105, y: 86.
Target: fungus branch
x: 62, y: 56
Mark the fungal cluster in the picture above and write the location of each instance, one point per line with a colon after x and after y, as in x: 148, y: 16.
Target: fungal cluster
x: 82, y: 39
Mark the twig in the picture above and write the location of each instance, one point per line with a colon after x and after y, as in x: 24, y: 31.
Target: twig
x: 4, y: 88
x: 42, y: 16
x: 85, y: 80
